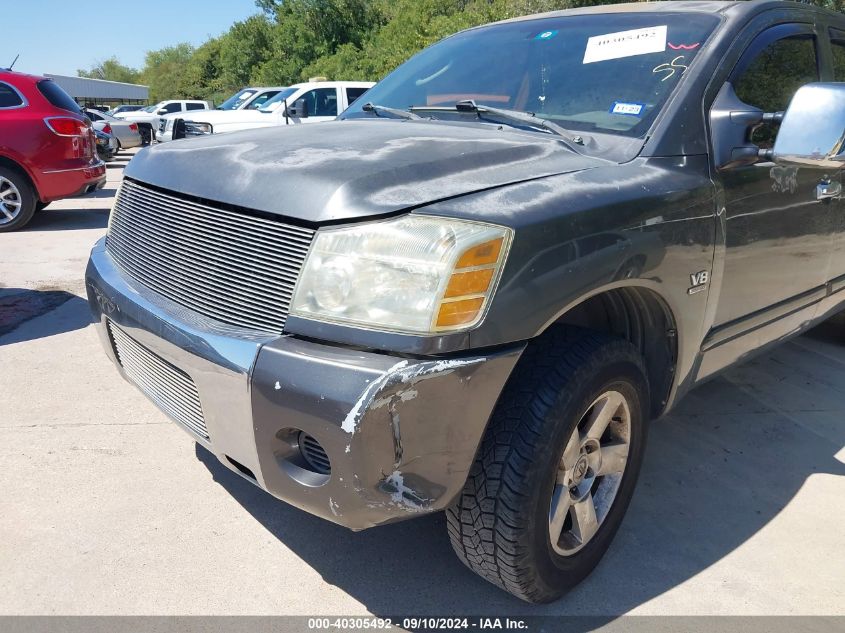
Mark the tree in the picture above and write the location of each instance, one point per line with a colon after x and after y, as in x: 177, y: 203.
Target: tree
x: 164, y: 72
x: 112, y: 70
x: 244, y: 49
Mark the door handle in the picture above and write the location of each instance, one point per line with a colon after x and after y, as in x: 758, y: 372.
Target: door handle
x: 827, y: 190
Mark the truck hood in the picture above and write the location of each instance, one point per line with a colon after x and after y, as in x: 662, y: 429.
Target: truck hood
x: 345, y: 170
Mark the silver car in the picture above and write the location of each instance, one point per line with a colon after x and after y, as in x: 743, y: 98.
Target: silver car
x: 126, y: 133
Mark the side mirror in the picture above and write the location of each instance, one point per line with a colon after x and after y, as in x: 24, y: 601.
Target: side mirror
x: 813, y: 128
x: 731, y: 123
x: 299, y: 109
x: 161, y: 111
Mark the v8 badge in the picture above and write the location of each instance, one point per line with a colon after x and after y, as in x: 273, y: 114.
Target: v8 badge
x: 698, y: 281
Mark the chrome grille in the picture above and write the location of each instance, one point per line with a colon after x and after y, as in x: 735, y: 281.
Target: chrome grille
x: 169, y: 387
x: 228, y: 265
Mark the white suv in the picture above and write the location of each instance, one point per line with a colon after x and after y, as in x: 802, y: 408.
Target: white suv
x: 310, y: 102
x: 147, y: 118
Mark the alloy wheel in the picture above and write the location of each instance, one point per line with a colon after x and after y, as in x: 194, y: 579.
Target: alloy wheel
x: 10, y: 201
x: 589, y: 473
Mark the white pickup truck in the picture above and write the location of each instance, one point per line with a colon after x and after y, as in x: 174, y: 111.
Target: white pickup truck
x: 147, y: 118
x: 251, y: 98
x: 309, y: 102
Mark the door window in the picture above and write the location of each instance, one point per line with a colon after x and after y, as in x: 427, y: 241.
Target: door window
x: 353, y: 93
x: 771, y: 78
x: 173, y: 107
x: 9, y: 98
x: 321, y: 102
x: 196, y: 106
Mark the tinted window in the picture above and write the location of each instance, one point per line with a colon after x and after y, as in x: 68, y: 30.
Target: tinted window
x: 321, y: 102
x: 839, y: 59
x: 196, y: 106
x: 9, y: 98
x: 776, y: 73
x: 353, y: 93
x: 607, y: 72
x: 93, y: 115
x: 173, y: 107
x: 58, y: 97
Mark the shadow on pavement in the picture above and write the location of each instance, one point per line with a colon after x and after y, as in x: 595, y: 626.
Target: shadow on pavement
x: 19, y: 308
x: 70, y: 219
x: 717, y: 470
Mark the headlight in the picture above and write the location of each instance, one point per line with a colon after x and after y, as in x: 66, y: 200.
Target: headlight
x: 198, y: 129
x: 416, y: 274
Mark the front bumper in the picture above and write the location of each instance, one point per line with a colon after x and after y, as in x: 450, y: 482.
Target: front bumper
x: 401, y: 433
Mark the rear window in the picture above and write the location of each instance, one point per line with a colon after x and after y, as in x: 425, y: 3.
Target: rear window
x: 58, y: 97
x: 9, y: 97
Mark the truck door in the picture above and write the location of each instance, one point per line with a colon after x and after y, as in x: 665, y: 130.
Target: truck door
x: 837, y: 264
x: 778, y: 235
x: 322, y: 104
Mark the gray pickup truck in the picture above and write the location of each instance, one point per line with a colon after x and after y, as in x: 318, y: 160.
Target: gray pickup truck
x: 472, y: 291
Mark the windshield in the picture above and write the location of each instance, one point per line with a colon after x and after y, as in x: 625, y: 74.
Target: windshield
x: 236, y: 100
x: 605, y: 73
x: 151, y: 108
x: 276, y: 101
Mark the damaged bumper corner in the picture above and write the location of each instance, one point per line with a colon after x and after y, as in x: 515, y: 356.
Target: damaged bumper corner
x: 399, y: 435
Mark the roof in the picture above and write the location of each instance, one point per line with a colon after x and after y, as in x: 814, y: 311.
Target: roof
x: 84, y: 88
x: 683, y: 6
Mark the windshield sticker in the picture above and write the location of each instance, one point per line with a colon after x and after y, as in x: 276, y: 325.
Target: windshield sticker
x: 675, y: 66
x: 684, y: 47
x: 545, y: 35
x: 625, y: 44
x: 628, y: 109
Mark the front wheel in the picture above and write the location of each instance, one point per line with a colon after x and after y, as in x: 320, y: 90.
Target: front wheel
x: 557, y: 467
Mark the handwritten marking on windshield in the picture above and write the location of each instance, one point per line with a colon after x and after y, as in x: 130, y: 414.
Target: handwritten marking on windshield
x: 672, y: 67
x: 684, y: 47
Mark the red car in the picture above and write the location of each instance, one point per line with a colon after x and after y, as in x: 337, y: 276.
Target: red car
x: 47, y: 148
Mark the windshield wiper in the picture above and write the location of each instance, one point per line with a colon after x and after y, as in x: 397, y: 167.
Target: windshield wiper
x: 378, y: 109
x: 529, y: 118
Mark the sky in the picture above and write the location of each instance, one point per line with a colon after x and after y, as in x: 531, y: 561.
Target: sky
x: 60, y: 36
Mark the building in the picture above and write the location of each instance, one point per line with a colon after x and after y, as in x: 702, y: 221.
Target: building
x: 89, y: 92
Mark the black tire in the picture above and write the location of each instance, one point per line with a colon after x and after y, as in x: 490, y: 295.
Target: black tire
x: 499, y: 526
x: 40, y: 206
x: 27, y: 199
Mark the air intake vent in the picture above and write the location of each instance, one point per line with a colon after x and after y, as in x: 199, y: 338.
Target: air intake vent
x: 314, y: 454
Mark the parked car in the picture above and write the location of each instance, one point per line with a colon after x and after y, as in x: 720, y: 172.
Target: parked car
x: 311, y: 102
x: 404, y: 310
x: 47, y: 148
x: 147, y: 118
x: 124, y: 108
x: 106, y: 145
x: 246, y: 99
x: 126, y: 133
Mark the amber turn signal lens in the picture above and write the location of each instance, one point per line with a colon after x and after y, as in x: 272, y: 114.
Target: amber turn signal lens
x: 481, y: 255
x: 459, y: 312
x: 474, y: 282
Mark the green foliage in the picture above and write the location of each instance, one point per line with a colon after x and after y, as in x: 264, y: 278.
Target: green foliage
x: 112, y: 70
x: 291, y: 40
x: 164, y: 72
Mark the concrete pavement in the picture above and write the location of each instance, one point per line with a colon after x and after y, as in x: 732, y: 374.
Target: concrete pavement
x: 109, y: 508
